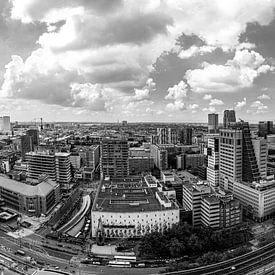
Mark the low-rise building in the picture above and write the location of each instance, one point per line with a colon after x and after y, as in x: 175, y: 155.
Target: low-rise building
x: 131, y: 208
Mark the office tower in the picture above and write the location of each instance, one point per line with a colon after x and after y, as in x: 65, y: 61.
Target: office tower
x: 63, y: 168
x: 34, y: 134
x: 229, y: 116
x: 213, y: 159
x: 185, y: 136
x: 265, y: 128
x: 41, y: 163
x: 261, y: 152
x: 6, y: 123
x: 162, y: 134
x: 124, y: 123
x: 231, y: 155
x: 26, y: 146
x: 172, y: 136
x: 213, y: 123
x: 114, y: 160
x: 160, y: 157
x: 250, y: 167
x: 56, y: 166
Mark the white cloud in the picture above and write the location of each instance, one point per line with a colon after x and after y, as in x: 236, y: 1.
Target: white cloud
x: 263, y: 96
x: 237, y: 73
x: 241, y: 104
x: 207, y: 97
x: 177, y: 92
x: 216, y: 102
x: 193, y: 106
x: 194, y: 50
x: 259, y: 107
x: 178, y: 105
x: 211, y: 109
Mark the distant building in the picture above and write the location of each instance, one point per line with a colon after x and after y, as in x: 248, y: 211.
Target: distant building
x: 185, y: 136
x: 34, y: 134
x: 213, y: 123
x: 172, y: 136
x: 261, y: 152
x: 190, y: 161
x: 5, y: 125
x: 160, y: 157
x: 26, y: 146
x: 163, y: 135
x: 124, y: 123
x: 265, y: 128
x: 229, y: 116
x: 114, y: 161
x: 33, y: 200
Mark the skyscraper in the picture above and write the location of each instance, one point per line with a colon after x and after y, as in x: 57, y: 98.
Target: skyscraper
x: 162, y: 134
x: 213, y: 122
x: 5, y: 124
x: 34, y: 134
x: 172, y: 136
x: 229, y: 116
x: 261, y: 152
x: 213, y: 161
x: 26, y: 146
x: 265, y: 128
x: 231, y: 155
x: 114, y: 160
x: 185, y: 136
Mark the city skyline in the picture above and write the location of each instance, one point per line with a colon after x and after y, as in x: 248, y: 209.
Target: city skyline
x: 147, y: 61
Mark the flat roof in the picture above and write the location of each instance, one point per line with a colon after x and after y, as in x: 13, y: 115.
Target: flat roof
x: 41, y: 189
x: 127, y: 195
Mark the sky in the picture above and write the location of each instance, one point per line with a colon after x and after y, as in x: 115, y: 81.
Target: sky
x: 145, y: 60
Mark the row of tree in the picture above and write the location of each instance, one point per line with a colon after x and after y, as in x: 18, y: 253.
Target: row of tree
x: 184, y: 240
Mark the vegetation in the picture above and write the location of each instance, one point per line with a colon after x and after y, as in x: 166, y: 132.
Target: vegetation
x: 184, y: 240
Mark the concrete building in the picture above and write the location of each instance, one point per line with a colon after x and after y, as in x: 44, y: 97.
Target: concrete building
x: 213, y: 123
x: 265, y: 128
x: 172, y: 136
x: 26, y: 146
x: 261, y: 152
x: 229, y: 116
x: 257, y: 199
x: 5, y: 125
x: 55, y: 165
x: 34, y: 134
x: 31, y: 199
x: 210, y: 208
x: 185, y: 136
x: 131, y: 208
x: 213, y: 160
x: 163, y: 135
x: 160, y: 157
x: 190, y: 161
x: 231, y: 157
x: 114, y: 161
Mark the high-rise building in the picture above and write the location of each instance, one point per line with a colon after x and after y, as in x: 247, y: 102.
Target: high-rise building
x: 162, y: 134
x: 265, y: 128
x: 56, y: 166
x: 185, y: 136
x: 172, y: 136
x: 114, y: 161
x: 160, y: 157
x: 231, y: 155
x: 213, y: 160
x: 237, y: 156
x: 26, y: 146
x: 229, y: 116
x: 261, y: 152
x: 34, y: 134
x: 5, y: 124
x: 213, y: 123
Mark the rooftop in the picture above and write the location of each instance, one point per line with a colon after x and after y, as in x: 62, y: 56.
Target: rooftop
x: 41, y: 189
x: 127, y: 195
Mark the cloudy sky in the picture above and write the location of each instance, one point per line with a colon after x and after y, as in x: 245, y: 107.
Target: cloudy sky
x: 145, y: 60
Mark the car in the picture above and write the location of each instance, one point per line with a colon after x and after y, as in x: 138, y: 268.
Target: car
x: 233, y: 267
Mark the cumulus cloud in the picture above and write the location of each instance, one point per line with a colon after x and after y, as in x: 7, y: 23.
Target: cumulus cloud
x: 194, y: 50
x: 239, y: 105
x: 237, y: 73
x: 178, y: 105
x: 263, y: 96
x: 211, y: 109
x: 259, y: 107
x: 216, y: 102
x: 177, y: 92
x: 207, y: 97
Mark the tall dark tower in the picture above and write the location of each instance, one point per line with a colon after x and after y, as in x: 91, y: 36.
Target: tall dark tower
x: 229, y: 116
x: 41, y: 123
